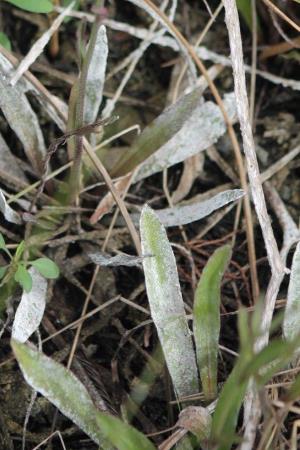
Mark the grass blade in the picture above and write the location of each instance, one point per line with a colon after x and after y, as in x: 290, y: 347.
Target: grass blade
x: 167, y: 308
x: 207, y: 319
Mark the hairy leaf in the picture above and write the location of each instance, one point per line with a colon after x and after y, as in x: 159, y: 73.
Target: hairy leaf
x: 70, y: 396
x: 182, y: 215
x: 96, y: 76
x: 31, y: 308
x: 22, y: 119
x: 202, y: 129
x: 9, y: 214
x: 161, y: 130
x: 166, y: 304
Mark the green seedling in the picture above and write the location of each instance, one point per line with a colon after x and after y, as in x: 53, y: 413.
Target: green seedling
x: 17, y: 268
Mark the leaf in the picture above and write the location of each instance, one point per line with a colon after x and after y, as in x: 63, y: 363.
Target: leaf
x: 46, y: 267
x: 4, y: 41
x: 166, y: 304
x: 9, y: 163
x: 291, y: 319
x: 244, y: 7
x: 227, y: 409
x: 294, y: 391
x: 262, y: 366
x: 2, y: 272
x: 60, y: 387
x: 204, y: 126
x: 207, y: 319
x: 270, y: 359
x: 182, y: 215
x: 232, y: 394
x: 36, y: 6
x: 118, y: 260
x: 160, y: 131
x: 23, y: 277
x: 19, y: 251
x: 96, y: 77
x: 31, y: 308
x: 121, y: 435
x: 2, y: 242
x: 70, y: 396
x: 21, y: 118
x: 9, y: 214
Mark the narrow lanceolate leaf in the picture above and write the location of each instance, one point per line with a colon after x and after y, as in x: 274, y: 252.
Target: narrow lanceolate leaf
x: 160, y: 131
x: 22, y: 120
x: 121, y: 435
x: 96, y: 77
x: 291, y: 322
x: 203, y: 128
x: 2, y: 242
x: 207, y: 319
x: 23, y: 277
x: 101, y: 259
x: 70, y: 396
x: 232, y: 394
x: 9, y: 214
x: 60, y: 387
x: 166, y: 304
x: 2, y: 272
x: 9, y: 163
x: 182, y: 215
x: 31, y: 308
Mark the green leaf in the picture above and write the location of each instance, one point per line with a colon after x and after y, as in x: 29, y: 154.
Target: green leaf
x: 121, y: 435
x: 294, y: 391
x: 228, y: 407
x: 166, y: 304
x: 2, y: 272
x: 270, y: 360
x: 207, y: 319
x: 4, y: 41
x: 19, y: 251
x: 36, y: 6
x: 161, y: 130
x: 46, y: 267
x: 70, y: 396
x: 244, y: 7
x: 2, y: 242
x: 261, y: 366
x: 23, y: 277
